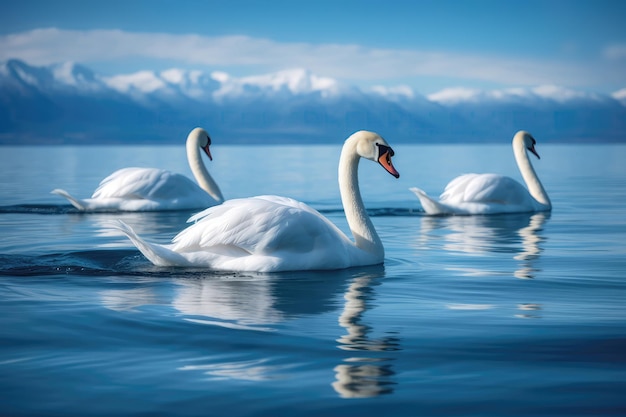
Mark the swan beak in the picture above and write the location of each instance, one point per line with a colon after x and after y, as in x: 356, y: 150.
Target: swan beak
x: 532, y: 149
x: 207, y: 151
x: 385, y: 161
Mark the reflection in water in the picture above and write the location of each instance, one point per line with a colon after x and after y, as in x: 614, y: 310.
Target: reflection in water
x: 127, y: 300
x: 520, y: 234
x: 236, y: 300
x: 517, y: 234
x: 528, y: 311
x: 253, y: 302
x: 239, y: 302
x: 257, y: 301
x: 253, y: 370
x: 531, y: 240
x: 362, y: 376
x: 244, y: 302
x: 361, y: 379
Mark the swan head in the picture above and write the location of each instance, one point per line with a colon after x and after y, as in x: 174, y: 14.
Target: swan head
x: 370, y: 145
x: 201, y: 139
x: 529, y: 142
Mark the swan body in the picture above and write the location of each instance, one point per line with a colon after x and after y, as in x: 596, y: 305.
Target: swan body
x: 493, y: 193
x: 272, y: 233
x: 152, y: 189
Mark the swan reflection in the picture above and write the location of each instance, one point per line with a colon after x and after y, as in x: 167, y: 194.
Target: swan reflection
x: 252, y: 370
x: 240, y: 301
x: 259, y: 302
x: 364, y: 375
x: 236, y: 300
x: 531, y: 248
x: 528, y: 311
x: 127, y: 300
x: 518, y: 234
x: 363, y: 379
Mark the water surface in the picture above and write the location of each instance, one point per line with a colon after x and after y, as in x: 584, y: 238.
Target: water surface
x: 510, y: 315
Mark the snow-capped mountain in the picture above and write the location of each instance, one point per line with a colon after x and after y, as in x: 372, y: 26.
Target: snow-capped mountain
x: 69, y: 103
x: 219, y: 86
x: 173, y: 84
x: 60, y: 77
x: 620, y: 95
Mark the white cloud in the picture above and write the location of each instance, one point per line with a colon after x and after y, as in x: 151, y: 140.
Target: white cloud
x: 341, y: 61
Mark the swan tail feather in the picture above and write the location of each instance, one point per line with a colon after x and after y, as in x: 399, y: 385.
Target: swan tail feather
x: 159, y: 255
x: 429, y: 205
x: 79, y: 204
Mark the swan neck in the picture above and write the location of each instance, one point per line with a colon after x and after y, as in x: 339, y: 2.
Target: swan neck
x: 361, y: 226
x: 200, y: 173
x: 534, y: 185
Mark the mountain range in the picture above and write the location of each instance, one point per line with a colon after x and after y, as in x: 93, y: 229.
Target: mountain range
x: 68, y: 103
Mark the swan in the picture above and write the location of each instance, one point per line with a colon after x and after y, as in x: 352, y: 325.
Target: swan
x: 271, y: 233
x: 493, y: 193
x: 153, y: 189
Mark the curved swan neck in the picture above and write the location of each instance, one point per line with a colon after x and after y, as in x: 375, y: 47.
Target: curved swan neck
x: 535, y: 188
x: 361, y: 226
x: 204, y: 179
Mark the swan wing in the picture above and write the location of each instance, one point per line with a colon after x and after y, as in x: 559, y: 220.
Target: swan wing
x: 146, y: 183
x: 260, y: 225
x: 485, y: 188
x: 256, y: 234
x: 455, y: 190
x: 498, y: 189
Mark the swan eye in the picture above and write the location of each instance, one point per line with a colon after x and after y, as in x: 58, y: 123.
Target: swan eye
x: 382, y: 149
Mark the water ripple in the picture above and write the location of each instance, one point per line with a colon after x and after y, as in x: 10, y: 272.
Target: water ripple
x: 38, y: 209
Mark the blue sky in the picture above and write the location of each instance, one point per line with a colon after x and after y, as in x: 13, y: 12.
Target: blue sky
x: 427, y: 45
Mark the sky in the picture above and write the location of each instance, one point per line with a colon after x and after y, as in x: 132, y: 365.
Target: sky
x: 426, y: 45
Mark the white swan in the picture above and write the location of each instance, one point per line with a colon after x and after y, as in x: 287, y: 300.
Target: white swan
x: 271, y: 233
x: 153, y: 189
x: 493, y: 193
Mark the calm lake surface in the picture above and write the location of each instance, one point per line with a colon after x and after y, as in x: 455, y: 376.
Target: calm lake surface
x: 511, y: 315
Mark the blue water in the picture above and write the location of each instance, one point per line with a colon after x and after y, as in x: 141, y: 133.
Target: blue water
x: 512, y: 315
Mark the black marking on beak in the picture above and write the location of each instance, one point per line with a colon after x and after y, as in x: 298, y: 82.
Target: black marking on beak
x: 206, y: 148
x: 382, y: 149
